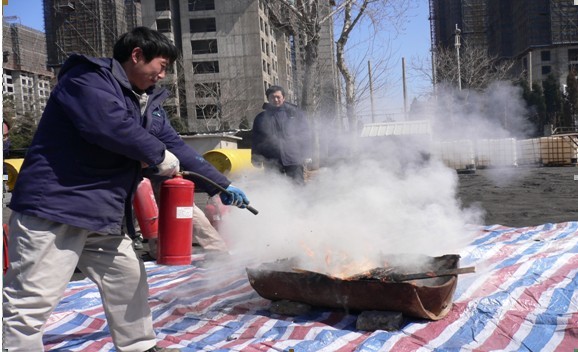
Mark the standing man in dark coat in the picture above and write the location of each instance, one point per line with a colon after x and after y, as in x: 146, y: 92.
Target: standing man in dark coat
x: 103, y: 123
x: 281, y: 137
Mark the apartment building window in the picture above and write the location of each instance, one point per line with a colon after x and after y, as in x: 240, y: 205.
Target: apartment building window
x: 546, y: 70
x: 202, y: 25
x: 268, y: 68
x: 267, y: 48
x: 262, y: 45
x: 261, y: 23
x: 265, y: 87
x: 208, y: 90
x: 545, y: 55
x: 162, y: 5
x: 208, y: 46
x: 205, y: 67
x: 164, y: 25
x: 264, y: 66
x: 201, y: 5
x: 266, y: 29
x: 209, y: 111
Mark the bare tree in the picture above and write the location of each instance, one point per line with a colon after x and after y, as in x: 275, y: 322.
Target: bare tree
x: 305, y: 19
x: 377, y: 14
x: 477, y: 68
x: 220, y: 105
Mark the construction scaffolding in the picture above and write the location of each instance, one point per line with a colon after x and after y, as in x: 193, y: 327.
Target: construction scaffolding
x: 564, y: 19
x: 89, y: 27
x: 474, y: 23
x: 26, y: 79
x: 24, y: 48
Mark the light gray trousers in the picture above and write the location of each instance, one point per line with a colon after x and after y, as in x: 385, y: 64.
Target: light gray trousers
x: 43, y: 255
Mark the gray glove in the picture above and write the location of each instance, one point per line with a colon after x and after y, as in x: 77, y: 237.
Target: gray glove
x: 169, y: 166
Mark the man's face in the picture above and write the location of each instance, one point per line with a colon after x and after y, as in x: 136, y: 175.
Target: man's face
x: 276, y: 99
x: 146, y: 74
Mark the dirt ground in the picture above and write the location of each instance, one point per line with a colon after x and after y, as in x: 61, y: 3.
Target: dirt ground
x: 517, y: 197
x: 523, y: 196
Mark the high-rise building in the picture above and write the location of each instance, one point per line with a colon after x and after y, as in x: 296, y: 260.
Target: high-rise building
x: 25, y: 76
x: 133, y: 13
x: 89, y: 27
x: 541, y: 35
x: 232, y: 51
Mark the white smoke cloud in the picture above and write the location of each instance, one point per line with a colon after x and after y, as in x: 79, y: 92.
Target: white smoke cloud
x: 497, y: 112
x: 349, y: 215
x: 392, y: 197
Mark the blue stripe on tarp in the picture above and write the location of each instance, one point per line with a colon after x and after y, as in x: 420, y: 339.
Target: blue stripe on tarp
x: 490, y: 307
x: 547, y: 322
x: 179, y: 290
x: 537, y: 245
x: 570, y: 230
x: 322, y: 340
x: 375, y: 341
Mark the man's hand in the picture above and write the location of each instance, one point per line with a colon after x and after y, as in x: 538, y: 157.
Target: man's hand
x: 169, y: 166
x: 235, y: 197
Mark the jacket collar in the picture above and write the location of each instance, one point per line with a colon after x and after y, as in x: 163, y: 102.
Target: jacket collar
x: 109, y: 63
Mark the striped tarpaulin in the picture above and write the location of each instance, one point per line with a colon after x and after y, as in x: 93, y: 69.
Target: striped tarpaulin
x: 523, y: 297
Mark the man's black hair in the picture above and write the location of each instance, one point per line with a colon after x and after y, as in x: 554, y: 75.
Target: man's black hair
x: 153, y: 44
x: 274, y: 89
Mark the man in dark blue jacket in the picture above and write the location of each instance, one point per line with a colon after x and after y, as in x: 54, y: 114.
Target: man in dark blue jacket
x: 102, y: 124
x: 281, y: 138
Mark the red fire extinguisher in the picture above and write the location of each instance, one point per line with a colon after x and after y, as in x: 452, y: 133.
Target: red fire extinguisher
x: 146, y: 209
x: 175, y: 239
x: 215, y: 210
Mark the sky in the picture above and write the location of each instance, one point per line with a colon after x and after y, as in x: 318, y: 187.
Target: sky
x: 412, y: 42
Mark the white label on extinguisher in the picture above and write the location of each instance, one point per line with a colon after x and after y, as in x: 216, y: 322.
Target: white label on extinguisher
x: 184, y: 212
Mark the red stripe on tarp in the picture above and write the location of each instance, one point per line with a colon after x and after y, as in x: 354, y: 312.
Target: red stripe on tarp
x: 512, y: 320
x: 489, y: 286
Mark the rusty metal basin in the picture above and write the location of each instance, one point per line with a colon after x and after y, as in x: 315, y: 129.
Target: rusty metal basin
x: 429, y: 298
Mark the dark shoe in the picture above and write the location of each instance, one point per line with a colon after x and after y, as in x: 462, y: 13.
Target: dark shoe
x: 162, y: 349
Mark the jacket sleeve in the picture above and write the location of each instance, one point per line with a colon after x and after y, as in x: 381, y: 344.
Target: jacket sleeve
x: 257, y: 141
x: 190, y: 159
x: 94, y: 103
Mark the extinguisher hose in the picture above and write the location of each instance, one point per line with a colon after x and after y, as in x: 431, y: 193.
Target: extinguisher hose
x: 222, y: 189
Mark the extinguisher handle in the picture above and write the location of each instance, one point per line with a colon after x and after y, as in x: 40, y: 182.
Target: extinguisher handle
x: 194, y: 174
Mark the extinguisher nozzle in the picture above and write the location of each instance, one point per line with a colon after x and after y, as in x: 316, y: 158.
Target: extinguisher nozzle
x: 194, y: 174
x: 252, y: 210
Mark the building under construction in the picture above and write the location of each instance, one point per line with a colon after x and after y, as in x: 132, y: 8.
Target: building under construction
x: 542, y: 35
x: 89, y: 27
x: 232, y: 52
x: 25, y: 77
